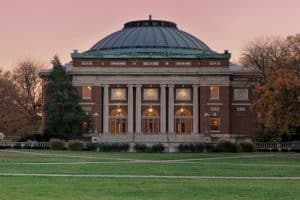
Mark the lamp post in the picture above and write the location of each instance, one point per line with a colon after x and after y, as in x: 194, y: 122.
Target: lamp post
x: 206, y: 115
x: 95, y: 115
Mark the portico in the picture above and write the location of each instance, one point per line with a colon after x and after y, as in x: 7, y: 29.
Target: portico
x: 148, y: 109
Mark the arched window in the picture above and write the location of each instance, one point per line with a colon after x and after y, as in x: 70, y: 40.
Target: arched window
x: 118, y: 121
x: 183, y: 121
x: 150, y: 121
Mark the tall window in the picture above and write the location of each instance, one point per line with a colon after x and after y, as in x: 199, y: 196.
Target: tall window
x: 214, y: 92
x: 86, y: 92
x: 183, y: 121
x: 150, y: 121
x: 215, y: 124
x: 118, y: 121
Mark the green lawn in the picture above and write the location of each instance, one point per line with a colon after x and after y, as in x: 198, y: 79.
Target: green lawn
x: 202, y: 164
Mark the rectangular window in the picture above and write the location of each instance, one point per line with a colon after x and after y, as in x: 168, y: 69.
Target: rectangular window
x: 151, y: 94
x: 183, y: 94
x: 215, y: 124
x: 240, y: 94
x: 214, y: 92
x: 118, y: 94
x: 86, y: 92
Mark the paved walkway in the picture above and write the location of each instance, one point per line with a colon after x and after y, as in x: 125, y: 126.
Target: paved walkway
x: 151, y: 176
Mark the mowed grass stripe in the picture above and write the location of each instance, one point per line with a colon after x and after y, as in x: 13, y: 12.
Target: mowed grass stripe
x: 134, y: 162
x: 65, y: 188
x: 149, y: 176
x: 161, y: 169
x: 203, y: 157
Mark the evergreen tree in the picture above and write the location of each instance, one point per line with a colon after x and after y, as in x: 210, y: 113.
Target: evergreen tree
x: 64, y: 115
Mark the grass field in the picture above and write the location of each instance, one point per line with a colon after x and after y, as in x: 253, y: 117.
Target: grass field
x: 92, y: 175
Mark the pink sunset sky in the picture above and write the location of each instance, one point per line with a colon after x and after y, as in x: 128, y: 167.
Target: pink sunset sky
x: 40, y: 29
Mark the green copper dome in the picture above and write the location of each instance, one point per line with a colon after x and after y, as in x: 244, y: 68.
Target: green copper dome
x: 148, y: 39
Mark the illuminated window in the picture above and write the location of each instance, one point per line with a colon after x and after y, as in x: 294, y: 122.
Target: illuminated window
x: 118, y: 121
x: 214, y: 92
x: 150, y: 94
x: 86, y: 92
x: 118, y: 94
x: 183, y: 121
x: 215, y: 124
x: 240, y: 94
x: 150, y: 121
x: 183, y: 94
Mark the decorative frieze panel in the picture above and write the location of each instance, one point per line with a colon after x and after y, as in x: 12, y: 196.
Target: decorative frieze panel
x: 86, y: 63
x: 214, y: 108
x: 214, y: 80
x: 186, y: 63
x: 240, y: 109
x: 151, y: 63
x: 214, y: 62
x: 117, y: 63
x: 86, y: 108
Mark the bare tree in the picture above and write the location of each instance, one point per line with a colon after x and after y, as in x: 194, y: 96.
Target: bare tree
x: 20, y: 103
x: 270, y: 54
x: 28, y: 86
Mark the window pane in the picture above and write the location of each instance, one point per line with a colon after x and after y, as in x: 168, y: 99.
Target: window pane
x: 118, y: 94
x: 183, y: 94
x: 214, y: 92
x: 86, y: 92
x: 240, y: 94
x: 151, y: 94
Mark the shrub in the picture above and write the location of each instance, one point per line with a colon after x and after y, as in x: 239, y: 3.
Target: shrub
x: 247, y: 147
x: 184, y: 148
x: 17, y: 146
x: 116, y: 147
x: 92, y: 146
x: 140, y: 148
x: 158, y: 148
x: 75, y: 145
x: 197, y: 147
x: 227, y: 146
x: 209, y: 148
x: 57, y: 144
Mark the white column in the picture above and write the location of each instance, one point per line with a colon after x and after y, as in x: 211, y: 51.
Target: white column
x: 195, y: 109
x: 171, y: 109
x: 163, y: 108
x: 130, y: 108
x: 138, y: 108
x: 105, y: 109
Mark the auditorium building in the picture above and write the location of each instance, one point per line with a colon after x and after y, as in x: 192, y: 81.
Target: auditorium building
x: 151, y: 82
